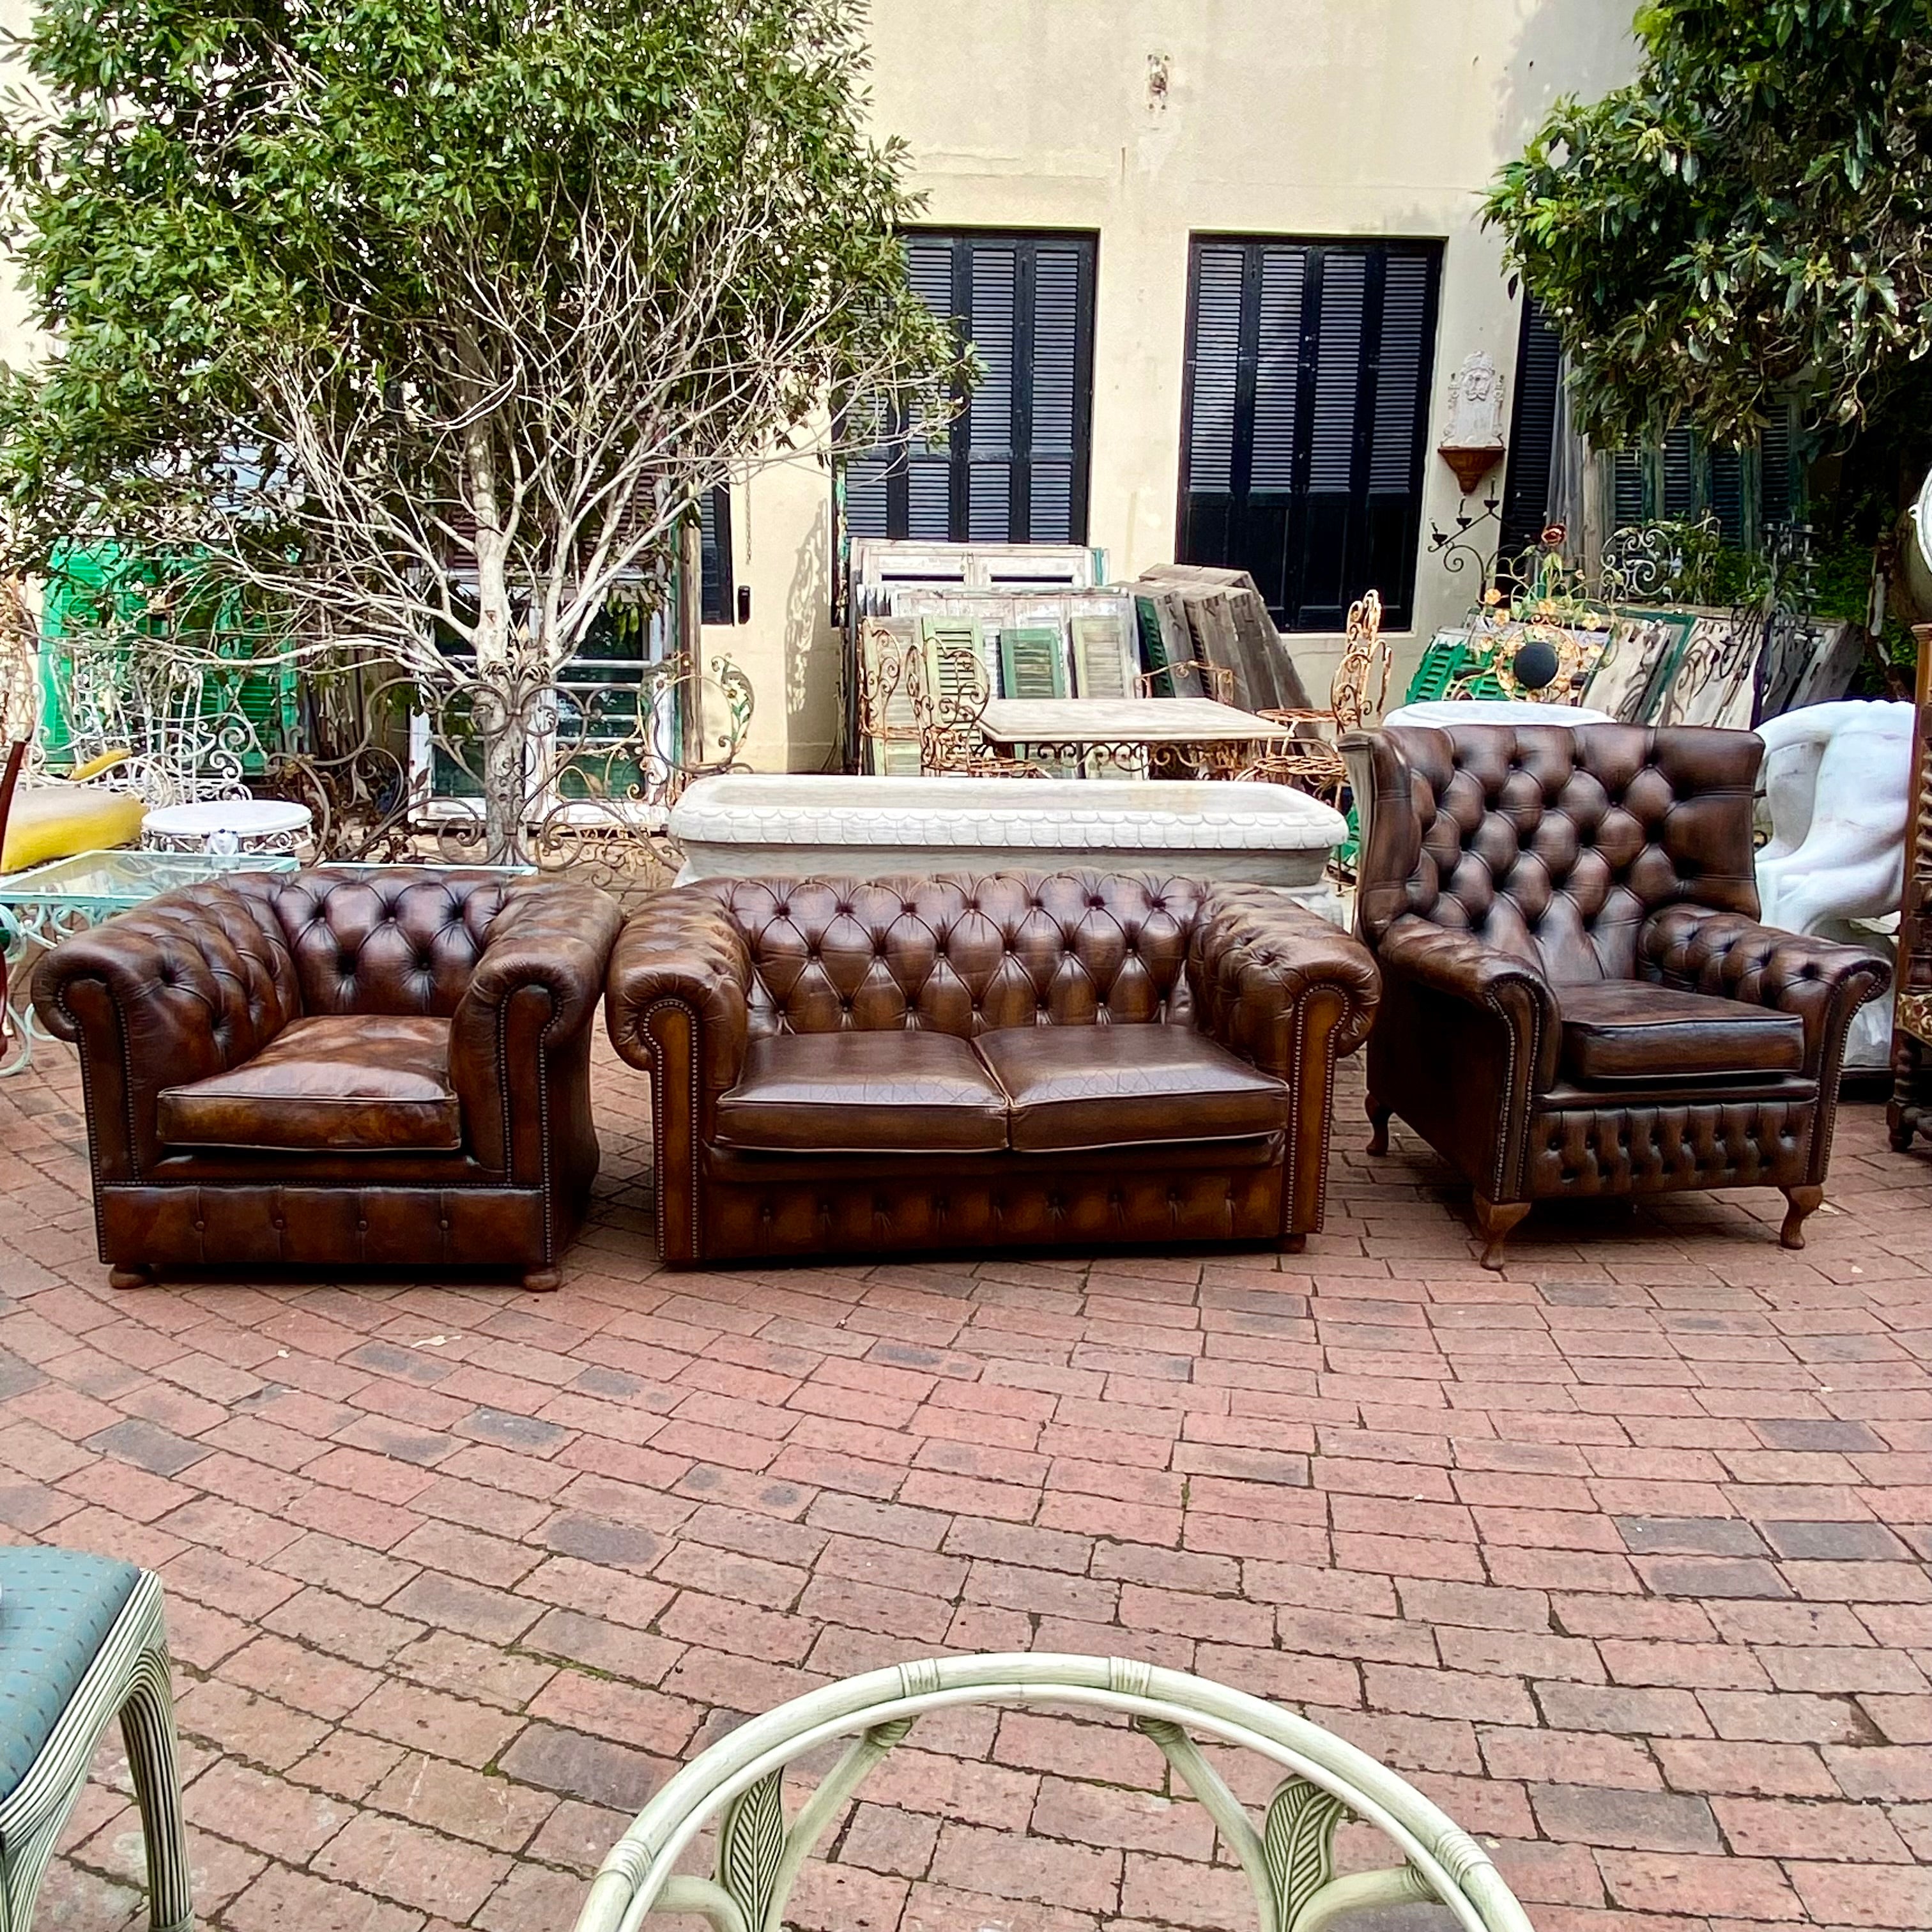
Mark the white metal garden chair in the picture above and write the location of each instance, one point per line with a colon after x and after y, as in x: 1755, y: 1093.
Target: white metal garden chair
x: 1288, y: 1858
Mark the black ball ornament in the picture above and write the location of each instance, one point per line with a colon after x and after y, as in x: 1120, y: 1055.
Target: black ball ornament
x: 1536, y: 665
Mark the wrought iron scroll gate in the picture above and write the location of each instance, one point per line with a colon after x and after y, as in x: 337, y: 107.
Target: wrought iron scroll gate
x: 582, y: 761
x: 1288, y: 1857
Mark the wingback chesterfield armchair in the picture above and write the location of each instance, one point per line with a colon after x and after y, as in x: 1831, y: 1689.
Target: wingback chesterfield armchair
x: 1023, y: 1059
x: 1578, y: 997
x: 380, y: 1065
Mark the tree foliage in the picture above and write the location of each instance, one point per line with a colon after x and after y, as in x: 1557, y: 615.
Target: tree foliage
x: 416, y: 310
x: 1752, y: 214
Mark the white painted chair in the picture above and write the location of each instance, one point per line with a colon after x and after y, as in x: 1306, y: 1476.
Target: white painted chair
x: 82, y: 1642
x: 1288, y: 1857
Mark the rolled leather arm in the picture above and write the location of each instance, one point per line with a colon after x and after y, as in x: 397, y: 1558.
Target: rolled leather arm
x: 1447, y: 961
x: 173, y: 991
x: 1730, y: 957
x: 683, y: 950
x: 552, y: 935
x: 1256, y: 958
x: 677, y: 1007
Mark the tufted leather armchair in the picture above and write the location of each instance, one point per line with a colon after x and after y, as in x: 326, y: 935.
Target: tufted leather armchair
x: 386, y: 1065
x: 1579, y: 999
x: 841, y: 1065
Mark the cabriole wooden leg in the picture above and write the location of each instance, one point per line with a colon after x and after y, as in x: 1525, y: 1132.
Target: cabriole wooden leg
x: 1378, y: 1120
x: 1494, y: 1220
x: 1800, y: 1201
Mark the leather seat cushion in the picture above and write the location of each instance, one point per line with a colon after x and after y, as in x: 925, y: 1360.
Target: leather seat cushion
x: 1075, y: 1087
x: 336, y: 1083
x: 896, y: 1092
x: 1626, y: 1029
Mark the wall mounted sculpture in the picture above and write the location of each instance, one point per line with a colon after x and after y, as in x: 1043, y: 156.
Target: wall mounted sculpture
x: 1472, y: 441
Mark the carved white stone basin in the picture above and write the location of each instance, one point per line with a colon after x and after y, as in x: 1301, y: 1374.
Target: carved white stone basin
x: 751, y: 825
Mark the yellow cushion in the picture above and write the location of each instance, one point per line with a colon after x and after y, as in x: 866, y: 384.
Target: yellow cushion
x: 55, y: 821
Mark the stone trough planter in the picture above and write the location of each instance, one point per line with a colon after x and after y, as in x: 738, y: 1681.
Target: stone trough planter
x: 750, y: 825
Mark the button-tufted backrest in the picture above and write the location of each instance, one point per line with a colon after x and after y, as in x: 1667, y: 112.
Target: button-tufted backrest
x: 963, y: 954
x: 401, y: 939
x: 215, y: 948
x: 1554, y: 843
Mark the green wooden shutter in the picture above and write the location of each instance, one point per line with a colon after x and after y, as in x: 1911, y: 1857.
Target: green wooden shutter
x: 1167, y: 645
x: 1103, y: 666
x: 1033, y: 663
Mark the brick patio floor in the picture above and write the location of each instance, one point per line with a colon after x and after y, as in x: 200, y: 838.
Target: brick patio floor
x: 1621, y: 1556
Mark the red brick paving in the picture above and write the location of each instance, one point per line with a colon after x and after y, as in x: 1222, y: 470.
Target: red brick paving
x: 1621, y: 1556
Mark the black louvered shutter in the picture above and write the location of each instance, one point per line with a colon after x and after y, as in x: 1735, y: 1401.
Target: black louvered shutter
x: 1627, y: 493
x: 1535, y: 415
x: 1306, y: 409
x: 716, y: 601
x: 1726, y: 495
x: 1319, y: 564
x: 983, y: 438
x: 1679, y: 474
x: 1777, y: 479
x: 1399, y: 432
x: 1057, y: 392
x: 1012, y: 467
x: 1215, y: 384
x: 925, y: 512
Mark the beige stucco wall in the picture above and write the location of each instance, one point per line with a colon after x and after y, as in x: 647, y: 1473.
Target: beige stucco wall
x: 1288, y: 117
x: 19, y: 341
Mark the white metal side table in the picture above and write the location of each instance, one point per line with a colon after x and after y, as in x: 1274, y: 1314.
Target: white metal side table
x: 253, y: 825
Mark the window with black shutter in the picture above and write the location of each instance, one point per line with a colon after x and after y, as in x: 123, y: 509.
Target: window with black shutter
x: 1746, y: 491
x: 1535, y: 417
x: 1012, y: 467
x: 714, y: 520
x: 1682, y: 476
x: 1304, y: 413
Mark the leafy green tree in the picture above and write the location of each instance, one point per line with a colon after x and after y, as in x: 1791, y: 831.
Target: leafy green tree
x: 1751, y: 215
x: 418, y: 313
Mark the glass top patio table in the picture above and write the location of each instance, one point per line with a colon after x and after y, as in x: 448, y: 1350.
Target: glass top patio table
x: 40, y: 908
x: 115, y: 881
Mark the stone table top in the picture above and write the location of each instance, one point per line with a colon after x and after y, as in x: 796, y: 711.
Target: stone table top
x: 250, y: 817
x: 1111, y: 721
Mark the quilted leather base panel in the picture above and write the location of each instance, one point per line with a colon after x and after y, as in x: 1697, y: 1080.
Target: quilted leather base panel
x: 1652, y: 1149
x: 806, y: 1220
x: 232, y: 1226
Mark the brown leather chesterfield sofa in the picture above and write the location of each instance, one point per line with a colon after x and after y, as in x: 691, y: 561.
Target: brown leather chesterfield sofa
x: 1578, y: 999
x: 346, y: 1065
x: 844, y: 1067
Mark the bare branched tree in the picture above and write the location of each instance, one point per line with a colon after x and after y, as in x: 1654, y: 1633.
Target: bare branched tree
x: 444, y: 336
